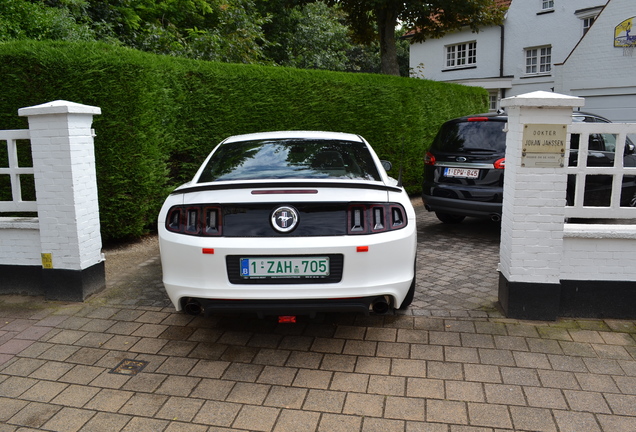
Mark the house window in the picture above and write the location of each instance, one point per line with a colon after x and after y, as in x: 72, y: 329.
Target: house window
x: 538, y: 60
x: 547, y: 4
x: 493, y: 101
x: 587, y: 23
x: 459, y: 55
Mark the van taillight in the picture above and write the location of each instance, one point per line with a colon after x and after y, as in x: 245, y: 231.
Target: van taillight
x: 374, y: 218
x: 500, y: 163
x: 197, y: 220
x: 429, y: 159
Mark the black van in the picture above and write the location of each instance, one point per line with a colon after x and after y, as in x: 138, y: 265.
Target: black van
x: 464, y: 168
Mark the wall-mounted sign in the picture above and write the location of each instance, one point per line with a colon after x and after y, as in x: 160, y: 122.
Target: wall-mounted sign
x: 543, y: 145
x: 622, y: 34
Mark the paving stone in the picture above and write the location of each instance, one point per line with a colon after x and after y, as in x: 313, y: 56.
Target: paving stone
x: 34, y: 415
x: 412, y: 368
x: 427, y: 352
x: 504, y: 394
x: 386, y: 385
x: 143, y: 405
x: 545, y: 398
x: 617, y: 423
x: 296, y: 421
x: 106, y: 422
x: 312, y: 379
x: 43, y: 391
x: 489, y: 415
x: 425, y: 388
x: 277, y: 375
x: 586, y: 401
x: 451, y: 412
x: 444, y: 370
x: 364, y: 404
x: 534, y: 419
x: 572, y: 421
x: 216, y: 413
x: 69, y: 420
x: 520, y: 376
x: 373, y: 365
x: 403, y: 408
x: 248, y: 393
x: 465, y: 391
x: 256, y: 418
x: 338, y: 362
x: 381, y: 425
x: 180, y: 408
x: 339, y: 423
x: 288, y: 397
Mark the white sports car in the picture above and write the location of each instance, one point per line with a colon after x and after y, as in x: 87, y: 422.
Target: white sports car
x: 289, y: 223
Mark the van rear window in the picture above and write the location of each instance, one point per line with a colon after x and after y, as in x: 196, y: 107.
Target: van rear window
x: 471, y: 136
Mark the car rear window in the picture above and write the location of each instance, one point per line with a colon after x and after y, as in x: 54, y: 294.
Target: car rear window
x: 290, y: 159
x: 471, y: 136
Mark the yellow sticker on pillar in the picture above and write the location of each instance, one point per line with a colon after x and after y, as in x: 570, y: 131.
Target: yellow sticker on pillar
x: 47, y: 261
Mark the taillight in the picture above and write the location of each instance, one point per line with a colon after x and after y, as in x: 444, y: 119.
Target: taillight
x: 197, y: 220
x: 477, y: 119
x: 374, y: 218
x: 429, y: 159
x: 500, y: 163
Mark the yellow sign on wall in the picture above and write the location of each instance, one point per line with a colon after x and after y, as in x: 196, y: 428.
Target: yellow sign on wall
x: 47, y: 261
x: 622, y: 36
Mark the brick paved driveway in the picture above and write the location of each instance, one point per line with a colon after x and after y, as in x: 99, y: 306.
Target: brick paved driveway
x: 451, y: 363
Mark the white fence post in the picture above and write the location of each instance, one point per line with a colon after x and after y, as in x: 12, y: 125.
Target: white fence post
x: 534, y: 204
x: 66, y: 189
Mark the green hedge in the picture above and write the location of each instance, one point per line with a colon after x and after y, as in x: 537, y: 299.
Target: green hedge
x: 162, y: 115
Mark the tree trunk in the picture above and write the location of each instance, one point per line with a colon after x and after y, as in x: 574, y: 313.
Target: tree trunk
x: 387, y: 21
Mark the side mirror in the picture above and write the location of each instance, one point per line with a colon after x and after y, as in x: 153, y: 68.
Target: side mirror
x: 386, y: 165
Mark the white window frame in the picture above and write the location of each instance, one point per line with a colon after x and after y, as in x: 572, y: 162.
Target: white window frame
x: 587, y: 23
x: 538, y: 60
x: 461, y: 55
x: 547, y: 4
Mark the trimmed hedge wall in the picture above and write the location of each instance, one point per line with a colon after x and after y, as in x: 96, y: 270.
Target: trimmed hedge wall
x: 161, y: 115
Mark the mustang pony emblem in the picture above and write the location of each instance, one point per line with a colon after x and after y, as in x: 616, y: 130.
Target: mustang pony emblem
x: 284, y: 219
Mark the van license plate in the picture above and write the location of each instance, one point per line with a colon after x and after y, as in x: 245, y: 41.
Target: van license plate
x: 461, y: 173
x: 285, y: 267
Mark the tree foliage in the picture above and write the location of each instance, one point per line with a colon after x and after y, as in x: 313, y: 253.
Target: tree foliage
x: 377, y: 20
x: 302, y: 34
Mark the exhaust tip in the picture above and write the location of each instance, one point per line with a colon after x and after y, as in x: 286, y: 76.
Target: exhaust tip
x: 380, y: 306
x: 193, y: 307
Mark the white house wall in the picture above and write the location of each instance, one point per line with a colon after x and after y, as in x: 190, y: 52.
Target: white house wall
x: 526, y: 26
x: 600, y: 72
x: 428, y: 60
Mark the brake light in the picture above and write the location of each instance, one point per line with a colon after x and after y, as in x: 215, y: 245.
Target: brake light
x: 477, y: 119
x: 197, y: 220
x: 429, y: 159
x: 500, y: 163
x: 374, y: 218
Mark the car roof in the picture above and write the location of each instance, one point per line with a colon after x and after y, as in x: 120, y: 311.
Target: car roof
x: 502, y: 116
x: 295, y: 134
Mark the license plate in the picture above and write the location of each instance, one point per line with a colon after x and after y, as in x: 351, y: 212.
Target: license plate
x: 461, y: 172
x: 285, y: 267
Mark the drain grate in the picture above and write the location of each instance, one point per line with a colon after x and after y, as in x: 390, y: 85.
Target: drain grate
x: 129, y: 367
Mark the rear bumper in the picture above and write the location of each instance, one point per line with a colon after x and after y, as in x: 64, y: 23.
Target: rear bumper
x: 362, y: 305
x: 462, y: 207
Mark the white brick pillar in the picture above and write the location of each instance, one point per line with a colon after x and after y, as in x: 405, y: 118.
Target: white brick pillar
x: 66, y: 190
x: 534, y: 205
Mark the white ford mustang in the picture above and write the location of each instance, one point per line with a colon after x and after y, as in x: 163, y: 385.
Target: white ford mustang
x: 289, y: 223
